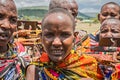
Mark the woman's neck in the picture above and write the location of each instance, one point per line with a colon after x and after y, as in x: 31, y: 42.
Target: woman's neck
x: 3, y: 48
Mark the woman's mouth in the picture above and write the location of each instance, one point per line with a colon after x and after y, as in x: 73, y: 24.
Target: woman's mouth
x: 57, y: 52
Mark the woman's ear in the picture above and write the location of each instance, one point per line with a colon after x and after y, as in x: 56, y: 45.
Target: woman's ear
x: 99, y: 16
x: 74, y: 40
x: 119, y: 17
x: 40, y: 35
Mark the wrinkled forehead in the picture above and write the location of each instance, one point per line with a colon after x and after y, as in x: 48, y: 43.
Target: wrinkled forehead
x: 68, y: 5
x: 115, y: 23
x: 58, y: 17
x: 3, y: 1
x: 8, y: 4
x: 111, y: 6
x: 71, y: 1
x: 68, y: 2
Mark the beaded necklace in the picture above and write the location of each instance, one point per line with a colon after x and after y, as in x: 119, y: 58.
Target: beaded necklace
x: 10, y: 54
x: 74, y: 67
x: 7, y: 58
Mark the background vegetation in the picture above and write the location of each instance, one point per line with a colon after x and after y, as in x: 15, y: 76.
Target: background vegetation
x: 85, y: 22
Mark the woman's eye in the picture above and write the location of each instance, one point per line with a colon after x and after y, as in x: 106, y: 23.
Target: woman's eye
x: 65, y: 35
x: 104, y: 31
x: 49, y: 35
x: 1, y: 16
x: 105, y: 14
x: 113, y: 15
x: 115, y: 31
x: 13, y: 20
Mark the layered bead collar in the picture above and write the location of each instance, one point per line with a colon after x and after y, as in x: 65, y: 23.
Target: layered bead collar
x: 10, y: 53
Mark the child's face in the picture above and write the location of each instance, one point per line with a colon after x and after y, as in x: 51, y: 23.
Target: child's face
x: 57, y: 36
x: 109, y: 11
x: 8, y: 21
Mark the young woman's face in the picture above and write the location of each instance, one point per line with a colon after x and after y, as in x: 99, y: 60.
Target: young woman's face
x: 8, y: 21
x: 109, y: 11
x: 57, y: 36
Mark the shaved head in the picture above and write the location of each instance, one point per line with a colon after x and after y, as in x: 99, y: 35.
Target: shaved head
x: 60, y: 3
x: 9, y: 3
x: 111, y: 21
x: 69, y: 5
x: 111, y: 4
x: 3, y: 1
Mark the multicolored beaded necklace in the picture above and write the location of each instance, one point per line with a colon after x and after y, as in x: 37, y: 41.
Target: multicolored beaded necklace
x: 11, y: 53
x: 70, y: 69
x: 9, y: 66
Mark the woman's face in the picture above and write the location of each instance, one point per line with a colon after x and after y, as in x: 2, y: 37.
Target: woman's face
x: 57, y: 36
x: 109, y: 11
x: 111, y: 32
x: 72, y: 7
x: 8, y: 21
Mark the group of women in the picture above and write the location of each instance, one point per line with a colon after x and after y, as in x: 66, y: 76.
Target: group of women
x: 60, y: 60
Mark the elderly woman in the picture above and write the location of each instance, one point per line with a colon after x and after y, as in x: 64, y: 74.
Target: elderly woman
x: 110, y: 36
x: 11, y: 67
x: 108, y: 48
x: 108, y: 10
x: 59, y: 62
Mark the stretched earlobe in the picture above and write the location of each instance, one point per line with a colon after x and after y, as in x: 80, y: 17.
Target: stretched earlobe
x: 74, y: 40
x: 99, y: 17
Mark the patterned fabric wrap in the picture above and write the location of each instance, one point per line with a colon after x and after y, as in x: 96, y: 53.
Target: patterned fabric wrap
x: 91, y: 45
x: 74, y: 67
x: 116, y: 74
x: 104, y: 57
x: 11, y: 65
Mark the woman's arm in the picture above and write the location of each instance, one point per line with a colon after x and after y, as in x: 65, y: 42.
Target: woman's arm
x: 30, y: 72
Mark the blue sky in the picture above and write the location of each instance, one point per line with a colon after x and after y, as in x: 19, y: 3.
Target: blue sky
x: 84, y: 5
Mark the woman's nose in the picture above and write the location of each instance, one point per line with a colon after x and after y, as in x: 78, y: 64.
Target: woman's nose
x: 5, y: 24
x: 57, y: 42
x: 108, y: 17
x: 109, y: 35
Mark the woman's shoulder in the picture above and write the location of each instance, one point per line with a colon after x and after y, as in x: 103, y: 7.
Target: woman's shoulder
x: 31, y: 68
x: 32, y: 72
